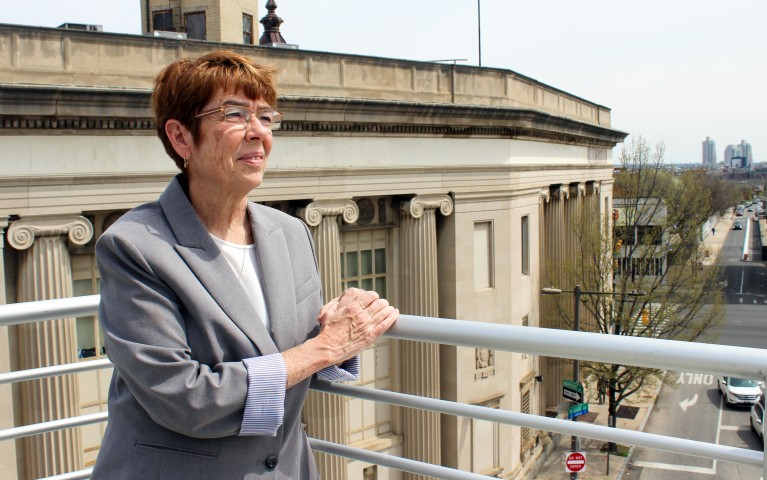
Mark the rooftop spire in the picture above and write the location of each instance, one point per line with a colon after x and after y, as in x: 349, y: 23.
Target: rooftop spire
x: 271, y: 23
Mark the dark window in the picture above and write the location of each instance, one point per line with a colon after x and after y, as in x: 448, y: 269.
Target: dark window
x: 163, y: 21
x: 525, y: 244
x: 247, y: 29
x: 195, y: 26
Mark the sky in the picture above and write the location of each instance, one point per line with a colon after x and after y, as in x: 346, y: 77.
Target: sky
x: 671, y: 71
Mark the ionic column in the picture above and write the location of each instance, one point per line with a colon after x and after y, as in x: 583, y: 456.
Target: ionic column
x: 419, y: 296
x: 555, y: 241
x: 45, y: 272
x: 8, y: 469
x: 325, y: 413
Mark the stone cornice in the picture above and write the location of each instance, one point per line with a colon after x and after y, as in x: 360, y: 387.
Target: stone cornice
x: 273, y: 172
x: 22, y: 233
x: 33, y: 108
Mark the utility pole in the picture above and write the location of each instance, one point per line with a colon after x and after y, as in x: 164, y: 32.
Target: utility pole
x: 575, y: 441
x: 479, y: 30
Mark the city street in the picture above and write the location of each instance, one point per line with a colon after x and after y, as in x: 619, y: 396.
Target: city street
x: 694, y: 408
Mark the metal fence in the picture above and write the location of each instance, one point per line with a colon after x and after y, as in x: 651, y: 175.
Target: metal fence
x: 636, y: 351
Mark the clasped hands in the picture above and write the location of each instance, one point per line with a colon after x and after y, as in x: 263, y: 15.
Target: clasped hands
x: 354, y: 320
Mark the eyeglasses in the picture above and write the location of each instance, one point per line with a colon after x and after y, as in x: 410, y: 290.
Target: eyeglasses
x: 241, y: 116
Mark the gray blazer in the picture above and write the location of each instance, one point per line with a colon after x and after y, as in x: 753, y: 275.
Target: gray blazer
x: 177, y: 325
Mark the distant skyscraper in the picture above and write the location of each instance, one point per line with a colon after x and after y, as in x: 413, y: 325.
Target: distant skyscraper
x: 745, y: 150
x: 739, y: 156
x: 709, y: 153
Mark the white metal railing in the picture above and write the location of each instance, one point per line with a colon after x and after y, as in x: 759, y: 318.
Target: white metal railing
x: 645, y: 352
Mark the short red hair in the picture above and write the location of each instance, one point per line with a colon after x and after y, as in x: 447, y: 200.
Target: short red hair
x: 182, y: 89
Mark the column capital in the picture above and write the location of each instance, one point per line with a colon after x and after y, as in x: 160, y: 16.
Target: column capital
x: 578, y: 189
x: 22, y: 233
x: 595, y: 187
x: 546, y: 194
x: 560, y: 192
x: 312, y: 214
x: 416, y: 206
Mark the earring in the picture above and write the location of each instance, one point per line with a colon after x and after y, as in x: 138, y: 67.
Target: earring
x: 186, y: 163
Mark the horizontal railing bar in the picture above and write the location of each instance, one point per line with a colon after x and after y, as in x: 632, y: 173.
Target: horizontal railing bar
x: 78, y: 475
x: 42, y: 310
x: 43, y: 372
x: 53, y: 425
x: 580, y: 429
x: 399, y: 463
x: 621, y: 349
x: 672, y: 355
x: 624, y: 350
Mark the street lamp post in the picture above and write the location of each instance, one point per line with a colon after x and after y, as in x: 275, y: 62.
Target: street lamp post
x: 577, y: 292
x: 575, y: 441
x: 479, y: 30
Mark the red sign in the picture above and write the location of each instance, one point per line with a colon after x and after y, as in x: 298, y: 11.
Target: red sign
x: 575, y: 462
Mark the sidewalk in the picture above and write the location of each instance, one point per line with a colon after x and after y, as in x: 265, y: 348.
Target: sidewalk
x: 713, y: 242
x: 632, y: 416
x: 638, y: 410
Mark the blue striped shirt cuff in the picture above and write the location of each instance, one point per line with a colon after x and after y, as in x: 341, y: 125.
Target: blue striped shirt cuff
x: 265, y: 404
x: 347, y: 372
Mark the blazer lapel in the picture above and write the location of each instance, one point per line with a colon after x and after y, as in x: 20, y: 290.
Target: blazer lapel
x: 204, y: 258
x: 276, y: 276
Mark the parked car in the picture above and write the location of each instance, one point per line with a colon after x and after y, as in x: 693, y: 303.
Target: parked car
x: 739, y: 391
x: 736, y: 225
x: 757, y: 416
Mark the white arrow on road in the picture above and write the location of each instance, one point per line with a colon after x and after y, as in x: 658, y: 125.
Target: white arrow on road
x: 688, y: 402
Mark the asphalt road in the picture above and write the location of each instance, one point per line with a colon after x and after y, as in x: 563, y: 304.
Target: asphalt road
x: 693, y: 408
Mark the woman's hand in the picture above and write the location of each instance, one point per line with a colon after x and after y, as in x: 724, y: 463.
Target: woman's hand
x: 353, y: 321
x: 348, y: 324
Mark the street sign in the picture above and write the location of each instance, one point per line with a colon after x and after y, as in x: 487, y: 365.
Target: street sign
x: 572, y: 391
x: 577, y: 410
x: 575, y: 462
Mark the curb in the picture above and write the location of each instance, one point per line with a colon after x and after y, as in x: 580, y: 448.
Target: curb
x: 642, y: 425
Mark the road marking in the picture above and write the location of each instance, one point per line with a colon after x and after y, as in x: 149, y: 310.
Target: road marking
x: 675, y: 468
x: 734, y: 428
x: 742, y: 276
x: 695, y: 378
x: 688, y: 402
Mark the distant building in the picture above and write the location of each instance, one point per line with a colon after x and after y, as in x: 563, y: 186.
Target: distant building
x: 639, y: 229
x: 739, y: 156
x: 709, y: 153
x: 227, y: 21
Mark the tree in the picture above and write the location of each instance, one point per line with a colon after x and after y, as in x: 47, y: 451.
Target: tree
x: 649, y: 257
x: 725, y: 193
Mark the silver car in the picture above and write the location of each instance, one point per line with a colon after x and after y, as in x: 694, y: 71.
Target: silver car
x: 739, y: 391
x: 757, y: 416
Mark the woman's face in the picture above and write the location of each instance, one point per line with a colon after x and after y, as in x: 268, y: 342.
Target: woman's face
x: 230, y: 156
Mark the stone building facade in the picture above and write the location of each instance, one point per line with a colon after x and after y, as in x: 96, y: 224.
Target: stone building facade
x: 446, y: 188
x: 225, y: 21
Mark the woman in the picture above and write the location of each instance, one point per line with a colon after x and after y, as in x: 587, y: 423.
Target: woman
x: 211, y: 305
